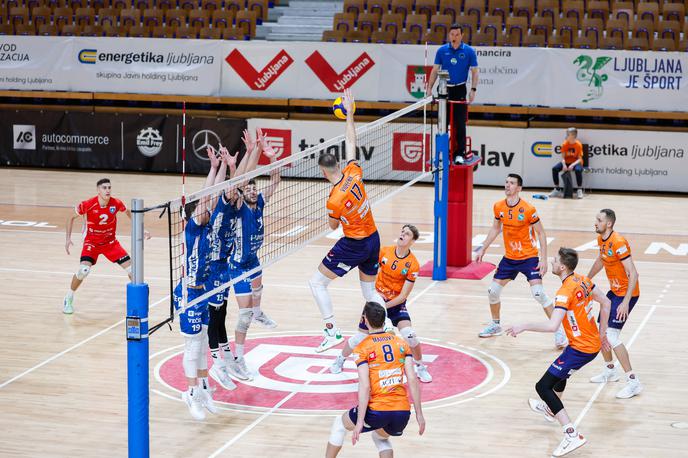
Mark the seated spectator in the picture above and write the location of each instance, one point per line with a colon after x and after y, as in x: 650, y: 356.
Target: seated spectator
x: 571, y: 159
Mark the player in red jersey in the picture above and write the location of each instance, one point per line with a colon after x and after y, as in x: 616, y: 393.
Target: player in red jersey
x: 100, y: 213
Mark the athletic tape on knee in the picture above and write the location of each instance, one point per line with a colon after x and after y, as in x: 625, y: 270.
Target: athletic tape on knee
x: 613, y: 337
x: 380, y: 442
x: 410, y: 336
x: 83, y: 271
x: 540, y: 295
x: 318, y: 284
x: 356, y: 339
x: 338, y: 432
x: 257, y: 292
x: 494, y: 292
x: 244, y: 320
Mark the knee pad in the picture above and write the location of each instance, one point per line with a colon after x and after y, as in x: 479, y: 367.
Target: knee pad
x: 318, y: 281
x: 192, y: 351
x: 494, y: 292
x: 356, y: 339
x: 83, y: 271
x: 257, y: 292
x: 409, y: 336
x: 338, y: 432
x: 370, y: 294
x: 613, y: 336
x: 382, y: 443
x: 539, y: 294
x: 244, y: 320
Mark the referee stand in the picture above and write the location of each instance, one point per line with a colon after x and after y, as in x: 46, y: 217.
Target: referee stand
x: 453, y: 209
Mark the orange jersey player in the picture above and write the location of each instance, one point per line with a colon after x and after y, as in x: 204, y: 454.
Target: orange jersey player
x: 615, y: 257
x: 571, y: 160
x: 100, y: 214
x: 383, y: 405
x: 573, y: 306
x: 520, y: 224
x: 395, y: 280
x: 347, y: 205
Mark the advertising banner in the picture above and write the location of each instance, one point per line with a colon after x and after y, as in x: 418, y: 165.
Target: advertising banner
x: 33, y: 63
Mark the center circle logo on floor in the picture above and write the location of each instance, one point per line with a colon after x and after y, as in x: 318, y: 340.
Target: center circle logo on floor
x: 288, y: 372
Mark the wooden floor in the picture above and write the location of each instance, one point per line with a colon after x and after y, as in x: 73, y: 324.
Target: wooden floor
x: 63, y: 378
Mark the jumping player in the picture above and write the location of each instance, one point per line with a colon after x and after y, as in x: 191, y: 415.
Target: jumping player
x: 615, y: 257
x: 193, y: 320
x: 573, y: 302
x: 347, y: 204
x: 395, y: 281
x: 383, y: 405
x: 520, y: 221
x: 100, y: 213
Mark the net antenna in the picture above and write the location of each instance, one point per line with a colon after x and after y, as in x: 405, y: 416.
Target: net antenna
x: 392, y: 151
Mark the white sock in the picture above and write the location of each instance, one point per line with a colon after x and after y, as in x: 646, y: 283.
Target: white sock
x: 631, y: 377
x: 227, y: 350
x: 218, y: 359
x: 70, y: 294
x: 330, y: 325
x: 239, y: 350
x: 256, y: 310
x: 318, y: 285
x: 569, y: 429
x: 610, y: 366
x: 417, y: 361
x: 203, y: 382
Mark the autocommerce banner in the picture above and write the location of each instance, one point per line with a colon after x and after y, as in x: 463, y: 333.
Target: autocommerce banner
x: 552, y: 77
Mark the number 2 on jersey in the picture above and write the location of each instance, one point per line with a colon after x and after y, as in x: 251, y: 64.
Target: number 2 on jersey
x: 388, y: 353
x: 103, y: 218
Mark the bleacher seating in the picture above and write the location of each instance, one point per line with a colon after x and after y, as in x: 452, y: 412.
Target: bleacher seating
x: 206, y: 19
x: 660, y: 25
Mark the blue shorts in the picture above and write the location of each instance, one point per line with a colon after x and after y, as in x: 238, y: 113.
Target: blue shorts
x: 396, y: 314
x: 219, y: 275
x: 510, y: 268
x: 191, y: 321
x: 569, y: 362
x: 616, y: 301
x: 243, y: 287
x: 348, y: 253
x: 392, y: 421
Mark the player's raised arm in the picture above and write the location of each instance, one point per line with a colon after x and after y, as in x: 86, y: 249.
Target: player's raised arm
x: 363, y: 398
x: 275, y: 176
x: 414, y: 388
x: 491, y: 236
x: 350, y: 150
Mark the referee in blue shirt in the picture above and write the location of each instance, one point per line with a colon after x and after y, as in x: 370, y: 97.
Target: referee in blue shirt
x: 457, y: 57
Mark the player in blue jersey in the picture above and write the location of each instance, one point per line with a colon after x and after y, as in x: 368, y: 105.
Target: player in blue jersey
x: 193, y: 319
x: 248, y: 240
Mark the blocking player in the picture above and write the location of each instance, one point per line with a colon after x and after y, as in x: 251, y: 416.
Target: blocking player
x: 248, y: 211
x: 571, y: 159
x: 395, y: 280
x: 193, y: 320
x: 615, y: 257
x: 100, y: 213
x: 347, y: 204
x: 520, y: 222
x: 383, y: 405
x: 573, y: 306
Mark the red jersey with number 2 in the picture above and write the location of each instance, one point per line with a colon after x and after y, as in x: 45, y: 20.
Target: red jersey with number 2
x: 101, y: 222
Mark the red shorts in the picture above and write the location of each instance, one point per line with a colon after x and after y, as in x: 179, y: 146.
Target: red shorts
x: 111, y: 250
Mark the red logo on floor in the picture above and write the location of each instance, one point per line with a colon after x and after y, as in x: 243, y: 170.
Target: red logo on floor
x: 288, y: 371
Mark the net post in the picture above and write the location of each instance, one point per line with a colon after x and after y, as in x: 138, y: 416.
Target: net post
x: 439, y: 263
x: 137, y: 344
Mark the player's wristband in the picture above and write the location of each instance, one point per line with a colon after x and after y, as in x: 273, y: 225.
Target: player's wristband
x: 473, y: 89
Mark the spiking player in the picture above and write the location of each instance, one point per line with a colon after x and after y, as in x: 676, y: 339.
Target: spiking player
x: 519, y: 220
x: 347, y: 204
x: 248, y: 211
x: 395, y: 280
x: 573, y: 302
x: 100, y: 213
x: 193, y: 320
x: 615, y: 257
x: 383, y: 405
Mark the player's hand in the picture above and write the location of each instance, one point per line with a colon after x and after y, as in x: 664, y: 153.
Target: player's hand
x: 268, y: 150
x: 212, y: 155
x: 248, y: 141
x: 606, y: 346
x: 479, y: 254
x: 622, y: 311
x: 513, y: 330
x: 67, y: 245
x: 471, y: 96
x: 348, y: 100
x: 146, y: 235
x: 356, y: 435
x: 421, y: 423
x: 542, y: 267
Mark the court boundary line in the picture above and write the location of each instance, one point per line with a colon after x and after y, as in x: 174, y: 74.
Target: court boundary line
x: 73, y: 347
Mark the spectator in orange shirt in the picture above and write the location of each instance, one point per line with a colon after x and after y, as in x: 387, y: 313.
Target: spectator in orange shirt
x: 571, y: 159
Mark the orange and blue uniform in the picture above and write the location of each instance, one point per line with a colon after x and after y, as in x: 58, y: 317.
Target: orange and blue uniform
x: 388, y: 407
x: 520, y: 244
x: 348, y: 203
x: 613, y: 251
x: 571, y: 152
x: 575, y: 298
